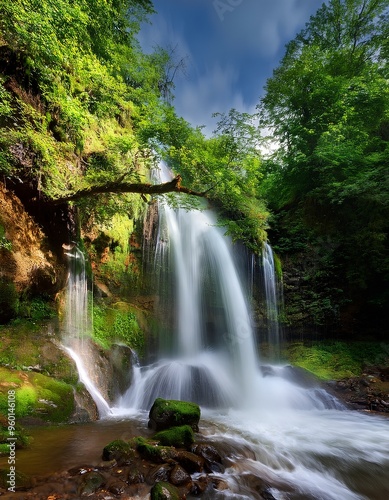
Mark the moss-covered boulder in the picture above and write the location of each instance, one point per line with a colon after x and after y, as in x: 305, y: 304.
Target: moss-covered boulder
x: 150, y: 450
x: 164, y: 491
x: 166, y: 413
x: 119, y: 450
x: 179, y: 437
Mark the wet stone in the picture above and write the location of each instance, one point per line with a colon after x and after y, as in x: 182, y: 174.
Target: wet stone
x: 116, y: 486
x: 190, y: 462
x: 91, y: 481
x: 159, y: 473
x: 179, y: 476
x: 135, y: 476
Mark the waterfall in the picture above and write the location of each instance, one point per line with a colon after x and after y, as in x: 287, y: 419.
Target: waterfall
x: 213, y: 358
x: 77, y: 325
x: 272, y: 303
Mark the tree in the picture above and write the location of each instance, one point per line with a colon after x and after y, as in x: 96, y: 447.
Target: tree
x: 328, y: 105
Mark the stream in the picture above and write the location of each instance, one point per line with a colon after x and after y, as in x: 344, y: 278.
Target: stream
x: 311, y: 455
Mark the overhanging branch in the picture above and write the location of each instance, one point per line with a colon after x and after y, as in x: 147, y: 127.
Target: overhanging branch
x: 173, y: 186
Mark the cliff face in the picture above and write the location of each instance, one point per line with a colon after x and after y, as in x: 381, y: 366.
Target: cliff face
x: 28, y: 267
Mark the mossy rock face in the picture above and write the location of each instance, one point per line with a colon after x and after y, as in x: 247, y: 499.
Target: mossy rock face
x: 36, y: 395
x: 179, y: 437
x: 19, y: 434
x: 167, y: 413
x: 119, y: 450
x: 164, y: 491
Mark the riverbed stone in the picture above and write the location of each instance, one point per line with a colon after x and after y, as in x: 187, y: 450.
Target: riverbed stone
x: 90, y: 482
x: 213, y: 460
x: 121, y: 451
x: 166, y: 413
x: 164, y: 491
x: 149, y: 450
x: 191, y: 462
x: 179, y: 476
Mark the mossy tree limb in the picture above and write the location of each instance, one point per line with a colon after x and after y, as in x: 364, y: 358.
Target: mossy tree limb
x: 173, y: 186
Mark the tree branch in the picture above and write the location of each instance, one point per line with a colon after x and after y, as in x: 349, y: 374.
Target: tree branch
x: 173, y: 186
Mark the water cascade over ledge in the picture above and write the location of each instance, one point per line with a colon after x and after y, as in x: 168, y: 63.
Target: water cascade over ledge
x: 213, y: 357
x: 77, y: 325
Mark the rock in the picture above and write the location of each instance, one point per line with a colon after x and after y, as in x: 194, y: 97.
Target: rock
x: 179, y: 437
x: 200, y: 485
x: 159, y: 473
x: 164, y: 491
x: 117, y: 487
x: 191, y: 462
x: 179, y: 476
x: 166, y: 413
x: 154, y: 453
x: 13, y: 478
x: 135, y: 476
x: 119, y: 450
x: 90, y: 482
x: 213, y: 460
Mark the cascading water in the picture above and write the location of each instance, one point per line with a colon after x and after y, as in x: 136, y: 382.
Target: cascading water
x: 77, y: 324
x: 213, y: 360
x: 212, y: 365
x: 272, y: 303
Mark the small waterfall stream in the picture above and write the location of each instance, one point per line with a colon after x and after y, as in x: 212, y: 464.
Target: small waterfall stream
x: 77, y: 325
x: 272, y: 303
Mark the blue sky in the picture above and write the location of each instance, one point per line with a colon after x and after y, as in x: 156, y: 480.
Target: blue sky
x: 230, y: 46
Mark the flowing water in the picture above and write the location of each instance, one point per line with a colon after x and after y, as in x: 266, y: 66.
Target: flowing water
x: 272, y: 303
x: 77, y: 326
x: 273, y: 422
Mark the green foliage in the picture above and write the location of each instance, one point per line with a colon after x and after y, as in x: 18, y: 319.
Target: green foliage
x: 227, y: 167
x: 336, y: 360
x: 4, y: 242
x: 328, y: 105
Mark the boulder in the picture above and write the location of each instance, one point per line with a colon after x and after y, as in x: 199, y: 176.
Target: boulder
x: 164, y: 491
x: 119, y: 450
x: 166, y: 413
x: 179, y: 437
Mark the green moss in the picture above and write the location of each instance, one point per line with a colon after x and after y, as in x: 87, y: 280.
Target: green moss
x: 167, y: 413
x: 164, y: 491
x: 179, y: 437
x: 37, y: 395
x: 335, y: 360
x: 119, y: 450
x: 117, y: 326
x: 150, y: 450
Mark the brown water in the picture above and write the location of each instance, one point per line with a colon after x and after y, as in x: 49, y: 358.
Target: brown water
x: 60, y: 448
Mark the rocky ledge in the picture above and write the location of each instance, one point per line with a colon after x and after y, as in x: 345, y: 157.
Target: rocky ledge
x: 369, y: 392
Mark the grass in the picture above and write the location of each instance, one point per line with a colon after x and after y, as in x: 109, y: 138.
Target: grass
x: 336, y: 360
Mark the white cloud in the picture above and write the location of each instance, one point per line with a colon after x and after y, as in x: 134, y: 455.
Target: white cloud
x: 198, y: 98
